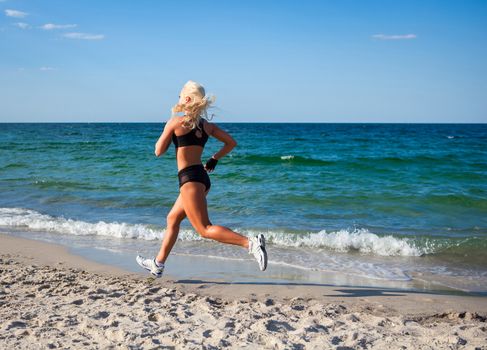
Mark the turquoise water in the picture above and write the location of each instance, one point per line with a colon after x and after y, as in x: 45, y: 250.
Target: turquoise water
x: 389, y: 201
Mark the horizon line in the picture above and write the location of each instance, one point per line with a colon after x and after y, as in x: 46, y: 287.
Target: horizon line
x: 230, y: 122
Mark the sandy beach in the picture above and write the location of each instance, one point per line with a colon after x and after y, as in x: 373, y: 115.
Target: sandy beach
x: 52, y: 299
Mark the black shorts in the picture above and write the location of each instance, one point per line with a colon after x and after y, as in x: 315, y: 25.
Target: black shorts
x: 194, y: 173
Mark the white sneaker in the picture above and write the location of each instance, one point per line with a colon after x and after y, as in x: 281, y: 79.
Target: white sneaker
x: 150, y: 265
x: 257, y: 247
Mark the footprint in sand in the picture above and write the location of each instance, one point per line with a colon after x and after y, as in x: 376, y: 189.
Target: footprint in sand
x: 278, y: 326
x: 101, y: 315
x: 269, y: 302
x: 336, y: 340
x: 16, y: 324
x: 115, y: 295
x: 154, y: 317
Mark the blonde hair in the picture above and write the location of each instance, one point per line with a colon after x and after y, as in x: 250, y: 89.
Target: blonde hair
x: 196, y: 108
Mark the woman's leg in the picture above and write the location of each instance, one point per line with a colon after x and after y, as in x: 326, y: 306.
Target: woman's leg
x: 194, y: 203
x: 174, y: 218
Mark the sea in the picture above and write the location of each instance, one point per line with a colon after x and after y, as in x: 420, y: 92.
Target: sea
x: 383, y: 205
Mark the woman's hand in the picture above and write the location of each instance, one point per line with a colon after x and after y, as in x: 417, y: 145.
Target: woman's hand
x: 211, y: 164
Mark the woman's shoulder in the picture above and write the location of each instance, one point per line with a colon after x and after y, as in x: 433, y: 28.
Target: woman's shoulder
x: 209, y: 126
x: 175, y: 121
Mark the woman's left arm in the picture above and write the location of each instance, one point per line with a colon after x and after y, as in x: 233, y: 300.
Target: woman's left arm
x: 165, y: 139
x: 229, y: 144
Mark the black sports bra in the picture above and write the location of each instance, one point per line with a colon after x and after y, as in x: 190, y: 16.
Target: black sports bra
x: 191, y: 138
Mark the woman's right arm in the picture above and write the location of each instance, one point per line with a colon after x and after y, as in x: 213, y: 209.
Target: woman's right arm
x: 164, y: 140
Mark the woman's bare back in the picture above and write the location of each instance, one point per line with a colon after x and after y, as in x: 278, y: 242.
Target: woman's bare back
x: 190, y: 155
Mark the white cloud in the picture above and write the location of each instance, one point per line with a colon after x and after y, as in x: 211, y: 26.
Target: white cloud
x: 394, y: 37
x: 51, y: 26
x: 84, y: 36
x: 46, y: 69
x: 21, y: 25
x: 15, y: 13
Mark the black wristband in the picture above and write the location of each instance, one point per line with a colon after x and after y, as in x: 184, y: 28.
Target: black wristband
x: 211, y: 164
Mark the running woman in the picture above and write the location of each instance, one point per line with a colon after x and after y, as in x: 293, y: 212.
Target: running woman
x: 189, y: 133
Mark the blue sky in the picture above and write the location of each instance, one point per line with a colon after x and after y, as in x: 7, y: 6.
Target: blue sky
x: 277, y: 61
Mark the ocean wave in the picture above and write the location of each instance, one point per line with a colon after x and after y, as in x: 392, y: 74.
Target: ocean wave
x: 358, y: 161
x: 293, y: 159
x: 358, y: 240
x: 33, y: 220
x: 15, y: 166
x: 409, y: 159
x: 287, y: 157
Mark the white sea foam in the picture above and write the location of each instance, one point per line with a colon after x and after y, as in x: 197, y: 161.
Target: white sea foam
x: 33, y: 220
x: 287, y: 157
x: 360, y: 240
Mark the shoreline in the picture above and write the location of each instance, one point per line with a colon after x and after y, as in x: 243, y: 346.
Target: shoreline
x: 55, y: 255
x: 241, y: 269
x: 52, y: 298
x: 348, y: 257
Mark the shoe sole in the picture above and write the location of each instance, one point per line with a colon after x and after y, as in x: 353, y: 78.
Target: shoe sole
x: 146, y: 268
x: 150, y: 271
x: 261, y: 241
